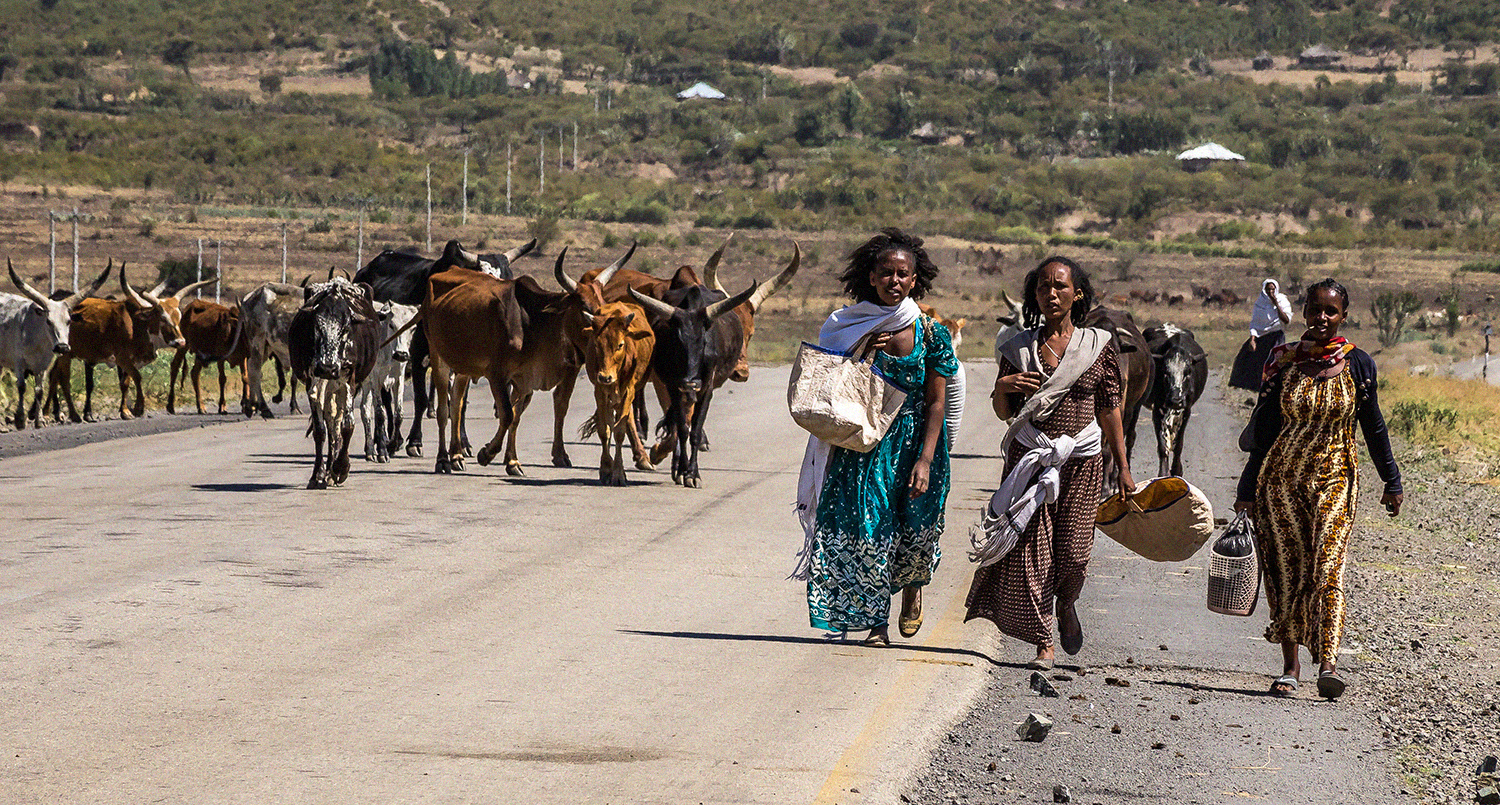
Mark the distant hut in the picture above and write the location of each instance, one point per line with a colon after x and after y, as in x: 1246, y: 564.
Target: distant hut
x: 1319, y: 56
x: 1262, y: 62
x: 1196, y: 159
x: 927, y: 133
x: 702, y: 91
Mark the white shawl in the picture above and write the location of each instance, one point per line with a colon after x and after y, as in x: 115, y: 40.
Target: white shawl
x: 1266, y: 316
x: 843, y: 329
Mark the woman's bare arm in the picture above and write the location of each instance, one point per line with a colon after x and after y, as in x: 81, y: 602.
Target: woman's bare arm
x: 936, y: 393
x: 1114, y: 438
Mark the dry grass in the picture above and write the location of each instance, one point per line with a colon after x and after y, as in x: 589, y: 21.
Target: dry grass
x: 1442, y: 416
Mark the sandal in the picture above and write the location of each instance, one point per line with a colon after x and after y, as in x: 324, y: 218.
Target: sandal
x: 1290, y: 686
x: 1330, y: 684
x: 911, y: 615
x: 877, y: 639
x: 1069, y: 629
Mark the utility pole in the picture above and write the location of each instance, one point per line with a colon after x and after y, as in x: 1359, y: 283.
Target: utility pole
x: 198, y: 294
x: 218, y: 267
x: 465, y: 219
x: 75, y: 248
x: 429, y: 209
x: 52, y: 251
x: 541, y: 165
x: 575, y: 145
x: 359, y: 249
x: 508, y: 164
x: 1488, y: 331
x: 559, y: 149
x: 283, y: 251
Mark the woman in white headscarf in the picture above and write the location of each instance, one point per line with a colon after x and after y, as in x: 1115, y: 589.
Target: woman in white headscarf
x: 872, y: 520
x: 1267, y: 331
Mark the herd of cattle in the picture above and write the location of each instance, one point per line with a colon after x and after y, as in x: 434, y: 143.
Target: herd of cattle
x: 354, y: 341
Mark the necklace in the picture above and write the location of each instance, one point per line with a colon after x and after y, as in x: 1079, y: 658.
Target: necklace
x: 1053, y: 351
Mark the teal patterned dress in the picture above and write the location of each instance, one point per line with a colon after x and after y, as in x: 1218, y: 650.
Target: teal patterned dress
x: 871, y: 537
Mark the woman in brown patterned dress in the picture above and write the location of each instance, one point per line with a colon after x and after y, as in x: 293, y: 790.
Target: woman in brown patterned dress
x: 1300, y: 484
x: 1070, y: 387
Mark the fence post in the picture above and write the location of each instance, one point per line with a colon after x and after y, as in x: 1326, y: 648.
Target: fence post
x: 198, y: 294
x: 508, y: 163
x: 75, y: 248
x: 575, y: 145
x: 464, y: 221
x: 429, y: 208
x: 541, y: 166
x: 52, y: 251
x: 218, y: 267
x: 283, y: 252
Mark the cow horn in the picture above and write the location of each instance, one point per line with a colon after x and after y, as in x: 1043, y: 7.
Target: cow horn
x: 30, y: 292
x: 470, y: 259
x: 1006, y: 300
x: 185, y: 290
x: 161, y: 288
x: 520, y: 251
x: 564, y: 280
x: 303, y: 283
x: 130, y: 292
x: 607, y: 274
x: 711, y: 268
x: 588, y: 317
x: 723, y: 306
x: 331, y: 269
x: 779, y: 281
x: 79, y: 296
x: 651, y: 305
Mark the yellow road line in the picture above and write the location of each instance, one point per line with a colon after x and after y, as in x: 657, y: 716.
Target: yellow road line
x: 906, y: 695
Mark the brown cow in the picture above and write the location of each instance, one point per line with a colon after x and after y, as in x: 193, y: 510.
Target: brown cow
x: 617, y: 354
x: 1137, y: 370
x: 552, y: 349
x: 125, y: 333
x: 474, y: 328
x: 213, y: 333
x: 955, y: 326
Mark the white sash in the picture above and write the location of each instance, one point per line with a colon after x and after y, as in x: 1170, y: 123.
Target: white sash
x: 1036, y: 479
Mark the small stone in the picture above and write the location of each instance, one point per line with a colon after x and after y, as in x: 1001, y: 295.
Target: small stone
x: 1175, y: 717
x: 1158, y: 745
x: 905, y: 798
x: 992, y: 766
x: 1115, y: 729
x: 1040, y: 684
x: 1060, y: 793
x: 1193, y: 701
x: 1163, y: 647
x: 1007, y: 778
x: 1130, y: 661
x: 1116, y: 682
x: 1034, y: 728
x: 854, y: 790
x: 1061, y: 677
x: 1489, y: 795
x: 1489, y: 765
x: 1416, y: 645
x: 1078, y: 697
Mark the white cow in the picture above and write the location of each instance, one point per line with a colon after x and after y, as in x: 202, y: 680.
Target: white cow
x: 379, y: 397
x: 33, y: 329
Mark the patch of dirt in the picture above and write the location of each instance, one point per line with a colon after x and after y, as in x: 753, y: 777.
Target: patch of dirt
x: 810, y: 75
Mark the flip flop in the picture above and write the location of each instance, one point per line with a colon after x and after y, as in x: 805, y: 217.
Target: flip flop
x: 1285, y: 679
x: 1071, y: 642
x: 1040, y: 665
x: 1330, y: 685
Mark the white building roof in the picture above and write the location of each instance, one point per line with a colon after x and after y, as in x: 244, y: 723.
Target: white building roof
x: 1210, y: 151
x: 700, y: 90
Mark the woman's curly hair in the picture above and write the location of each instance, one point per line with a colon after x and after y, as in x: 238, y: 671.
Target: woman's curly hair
x: 1331, y: 284
x: 1031, y: 311
x: 856, y: 277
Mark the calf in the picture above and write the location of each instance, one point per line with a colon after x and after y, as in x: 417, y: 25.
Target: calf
x: 331, y: 344
x: 617, y: 354
x: 213, y: 333
x: 379, y: 397
x: 1181, y: 375
x: 33, y: 330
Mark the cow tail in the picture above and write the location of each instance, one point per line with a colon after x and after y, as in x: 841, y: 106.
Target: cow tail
x: 590, y: 427
x: 664, y: 425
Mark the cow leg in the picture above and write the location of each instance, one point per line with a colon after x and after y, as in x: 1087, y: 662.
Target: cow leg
x: 505, y: 413
x: 630, y: 422
x: 1179, y: 438
x: 666, y: 443
x: 560, y: 398
x: 603, y: 420
x: 1163, y: 440
x: 393, y: 394
x: 292, y: 405
x: 319, y: 479
x: 463, y: 423
x: 691, y: 478
x: 62, y: 369
x: 512, y: 461
x: 223, y: 372
x: 197, y: 373
x: 365, y: 404
x: 179, y: 362
x: 134, y: 374
x: 442, y: 394
x: 20, y: 399
x: 88, y: 391
x: 458, y: 408
x: 52, y: 407
x: 281, y: 381
x: 420, y: 399
x: 257, y: 387
x: 342, y: 418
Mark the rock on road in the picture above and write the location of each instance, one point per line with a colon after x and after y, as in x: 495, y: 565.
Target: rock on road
x: 187, y: 624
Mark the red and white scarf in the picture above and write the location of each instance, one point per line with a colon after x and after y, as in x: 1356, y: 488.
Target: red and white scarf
x: 1306, y: 354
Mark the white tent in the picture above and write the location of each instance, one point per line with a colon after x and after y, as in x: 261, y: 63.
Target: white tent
x: 1210, y: 151
x: 700, y: 90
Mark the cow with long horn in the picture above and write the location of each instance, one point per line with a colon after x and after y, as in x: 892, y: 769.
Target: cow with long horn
x: 125, y: 332
x: 697, y: 347
x: 747, y: 311
x: 214, y: 334
x: 33, y: 331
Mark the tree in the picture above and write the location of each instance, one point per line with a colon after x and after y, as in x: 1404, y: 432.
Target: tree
x: 270, y: 83
x: 1391, y: 310
x: 179, y: 53
x: 7, y: 62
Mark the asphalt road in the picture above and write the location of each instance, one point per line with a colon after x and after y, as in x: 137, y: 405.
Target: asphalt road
x: 186, y: 624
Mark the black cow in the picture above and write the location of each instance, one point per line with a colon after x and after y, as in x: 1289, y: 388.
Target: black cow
x: 332, y: 341
x: 1181, y: 375
x: 697, y: 349
x: 401, y: 277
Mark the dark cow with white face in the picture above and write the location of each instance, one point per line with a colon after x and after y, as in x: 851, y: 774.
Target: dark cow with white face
x: 332, y: 341
x: 1181, y: 375
x: 34, y: 329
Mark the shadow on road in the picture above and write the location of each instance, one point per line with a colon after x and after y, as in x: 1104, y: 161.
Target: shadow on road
x: 246, y: 487
x: 820, y: 641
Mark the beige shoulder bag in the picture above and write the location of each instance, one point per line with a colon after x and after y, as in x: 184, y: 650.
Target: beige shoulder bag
x: 842, y: 399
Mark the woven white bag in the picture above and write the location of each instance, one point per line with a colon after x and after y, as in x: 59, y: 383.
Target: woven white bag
x: 840, y: 399
x: 1166, y: 520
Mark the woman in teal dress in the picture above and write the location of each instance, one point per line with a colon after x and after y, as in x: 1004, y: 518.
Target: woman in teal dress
x: 879, y: 514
